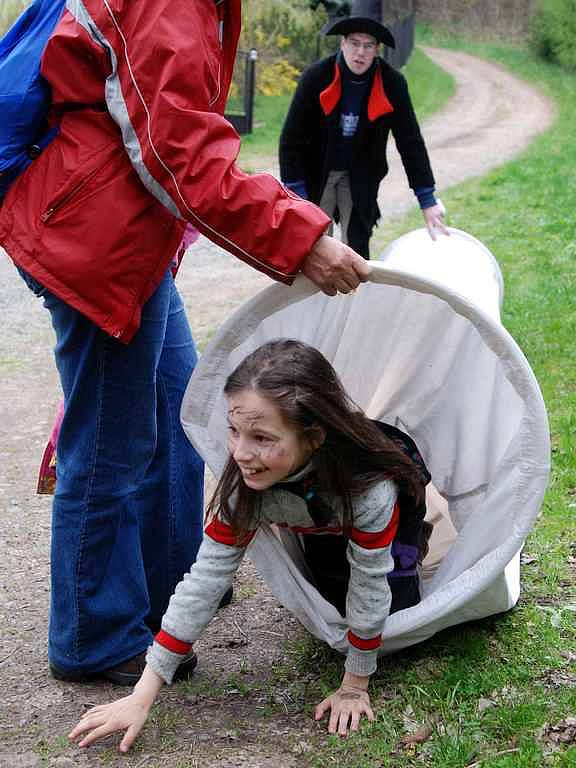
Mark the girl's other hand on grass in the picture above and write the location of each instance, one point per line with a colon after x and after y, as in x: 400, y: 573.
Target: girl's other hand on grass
x: 346, y: 706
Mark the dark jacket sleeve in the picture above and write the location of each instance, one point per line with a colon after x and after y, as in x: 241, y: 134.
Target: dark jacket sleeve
x: 407, y: 135
x: 294, y: 139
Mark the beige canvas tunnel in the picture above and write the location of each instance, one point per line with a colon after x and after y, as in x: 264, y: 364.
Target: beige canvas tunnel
x: 420, y: 346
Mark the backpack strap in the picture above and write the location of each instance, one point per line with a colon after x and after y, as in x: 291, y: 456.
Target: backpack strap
x: 32, y: 152
x: 410, y: 544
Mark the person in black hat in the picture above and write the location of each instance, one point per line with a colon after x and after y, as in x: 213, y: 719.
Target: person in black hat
x: 333, y: 143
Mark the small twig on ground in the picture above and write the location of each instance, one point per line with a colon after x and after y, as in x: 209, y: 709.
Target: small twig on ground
x: 41, y: 676
x: 12, y: 652
x: 239, y: 628
x: 498, y: 754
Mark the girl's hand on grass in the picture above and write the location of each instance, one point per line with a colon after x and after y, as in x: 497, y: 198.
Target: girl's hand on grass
x: 346, y: 706
x: 128, y: 714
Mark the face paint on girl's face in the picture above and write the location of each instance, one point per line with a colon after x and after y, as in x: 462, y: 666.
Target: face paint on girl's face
x: 266, y: 448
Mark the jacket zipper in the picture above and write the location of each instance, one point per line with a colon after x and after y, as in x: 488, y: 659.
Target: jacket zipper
x: 58, y: 204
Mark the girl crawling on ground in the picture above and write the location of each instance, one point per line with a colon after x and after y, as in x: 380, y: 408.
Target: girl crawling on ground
x: 302, y: 456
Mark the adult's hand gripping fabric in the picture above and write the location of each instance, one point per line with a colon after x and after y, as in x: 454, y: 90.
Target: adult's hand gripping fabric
x: 334, y: 267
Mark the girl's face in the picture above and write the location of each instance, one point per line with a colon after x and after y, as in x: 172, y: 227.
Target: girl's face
x: 266, y: 448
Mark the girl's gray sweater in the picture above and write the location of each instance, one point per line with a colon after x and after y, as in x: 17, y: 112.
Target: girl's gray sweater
x: 197, y: 596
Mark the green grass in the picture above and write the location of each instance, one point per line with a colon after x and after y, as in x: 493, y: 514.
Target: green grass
x: 269, y: 114
x: 430, y: 88
x: 525, y: 213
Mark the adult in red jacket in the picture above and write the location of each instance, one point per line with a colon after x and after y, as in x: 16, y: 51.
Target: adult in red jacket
x: 93, y: 226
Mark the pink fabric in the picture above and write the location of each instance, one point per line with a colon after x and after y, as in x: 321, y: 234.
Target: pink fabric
x: 47, y: 473
x: 191, y: 234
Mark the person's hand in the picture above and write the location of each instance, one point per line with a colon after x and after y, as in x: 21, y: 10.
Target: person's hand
x: 127, y: 714
x: 334, y: 267
x: 346, y: 705
x: 434, y: 218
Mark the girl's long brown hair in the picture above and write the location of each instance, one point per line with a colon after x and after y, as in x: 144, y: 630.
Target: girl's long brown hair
x: 355, y: 455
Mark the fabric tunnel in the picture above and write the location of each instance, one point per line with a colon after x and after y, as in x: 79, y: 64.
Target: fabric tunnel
x: 420, y: 346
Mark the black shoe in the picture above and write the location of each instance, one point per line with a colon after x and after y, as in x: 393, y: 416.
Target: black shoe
x: 224, y: 601
x: 71, y: 676
x: 187, y: 667
x: 126, y: 674
x: 226, y: 598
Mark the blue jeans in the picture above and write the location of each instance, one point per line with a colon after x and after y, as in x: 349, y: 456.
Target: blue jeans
x: 128, y: 508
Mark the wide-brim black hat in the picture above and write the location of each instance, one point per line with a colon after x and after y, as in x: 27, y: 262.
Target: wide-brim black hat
x: 365, y: 16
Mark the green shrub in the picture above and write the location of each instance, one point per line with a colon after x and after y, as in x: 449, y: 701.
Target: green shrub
x: 285, y: 34
x: 9, y: 12
x: 285, y: 29
x: 553, y: 31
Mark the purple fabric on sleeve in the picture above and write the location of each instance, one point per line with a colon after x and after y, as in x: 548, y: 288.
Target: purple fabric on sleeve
x: 405, y: 555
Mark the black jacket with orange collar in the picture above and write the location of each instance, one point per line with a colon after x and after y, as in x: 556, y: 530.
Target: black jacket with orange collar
x: 311, y: 130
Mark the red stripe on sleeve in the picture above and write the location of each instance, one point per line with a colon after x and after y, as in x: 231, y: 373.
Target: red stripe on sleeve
x: 225, y: 534
x: 362, y: 644
x: 378, y: 539
x: 172, y: 644
x: 310, y: 530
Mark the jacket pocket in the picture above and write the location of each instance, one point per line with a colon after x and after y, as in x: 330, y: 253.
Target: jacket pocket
x: 82, y: 184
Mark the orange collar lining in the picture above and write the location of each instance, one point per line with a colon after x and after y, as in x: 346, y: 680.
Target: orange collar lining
x: 378, y: 102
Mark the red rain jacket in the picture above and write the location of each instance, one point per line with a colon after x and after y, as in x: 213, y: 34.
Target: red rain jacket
x: 139, y: 90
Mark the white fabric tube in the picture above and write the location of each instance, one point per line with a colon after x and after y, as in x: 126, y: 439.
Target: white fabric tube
x: 419, y: 346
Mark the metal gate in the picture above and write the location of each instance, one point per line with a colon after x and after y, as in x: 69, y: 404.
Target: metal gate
x: 240, y: 104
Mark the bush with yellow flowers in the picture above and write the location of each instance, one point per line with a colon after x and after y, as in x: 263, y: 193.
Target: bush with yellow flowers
x: 285, y: 34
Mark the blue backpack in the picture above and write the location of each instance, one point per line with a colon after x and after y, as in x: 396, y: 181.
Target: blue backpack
x: 24, y: 94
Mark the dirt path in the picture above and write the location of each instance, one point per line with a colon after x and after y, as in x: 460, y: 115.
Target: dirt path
x: 246, y: 707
